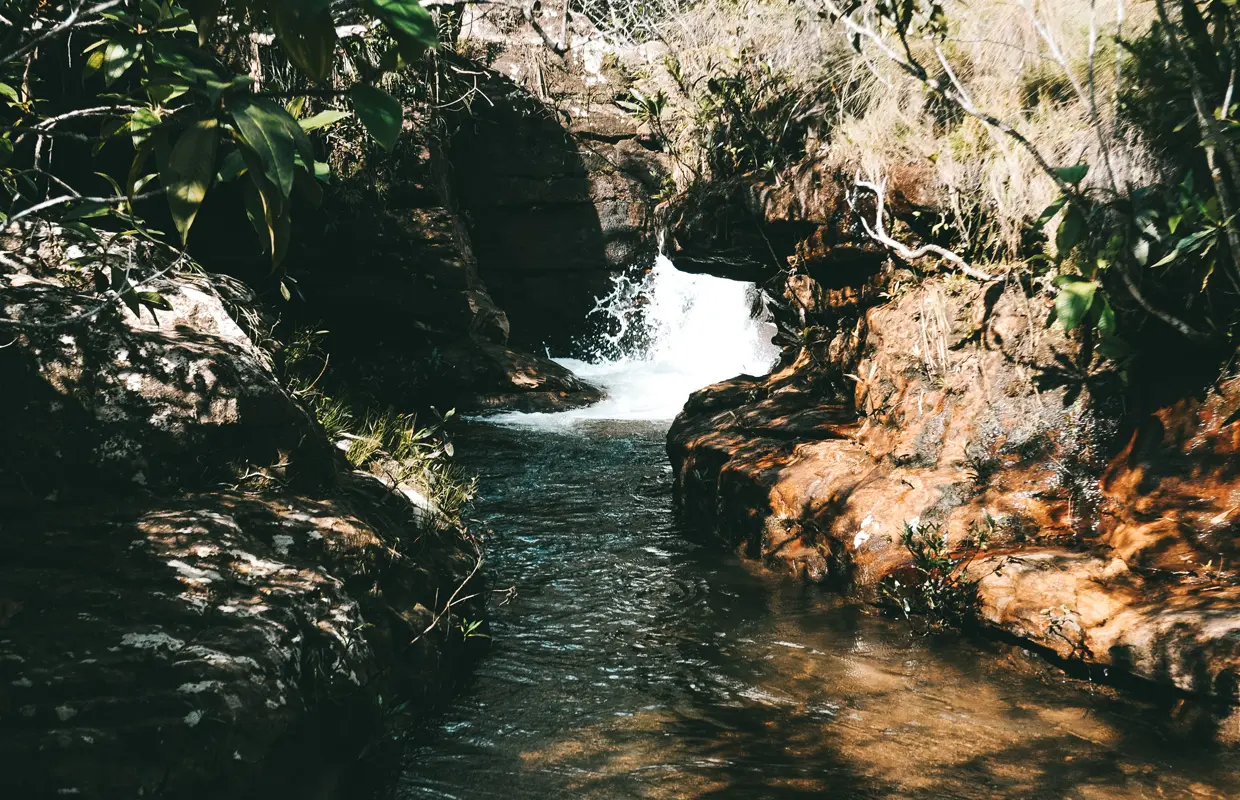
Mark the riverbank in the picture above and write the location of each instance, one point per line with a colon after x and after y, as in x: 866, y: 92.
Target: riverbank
x: 1108, y: 533
x: 638, y: 658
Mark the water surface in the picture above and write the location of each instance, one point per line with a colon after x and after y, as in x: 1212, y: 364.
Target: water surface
x: 637, y: 662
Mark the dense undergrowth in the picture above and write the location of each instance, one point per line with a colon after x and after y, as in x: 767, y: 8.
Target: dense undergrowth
x: 1090, y: 152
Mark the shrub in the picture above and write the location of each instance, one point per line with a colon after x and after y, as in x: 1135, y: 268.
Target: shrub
x: 937, y: 586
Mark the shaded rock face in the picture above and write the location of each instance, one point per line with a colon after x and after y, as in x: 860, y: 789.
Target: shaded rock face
x: 397, y: 285
x: 139, y: 401
x: 805, y: 221
x: 176, y: 647
x: 951, y: 403
x: 556, y: 181
x: 163, y: 635
x: 516, y: 381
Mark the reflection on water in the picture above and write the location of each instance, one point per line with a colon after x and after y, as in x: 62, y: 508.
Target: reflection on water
x: 637, y: 663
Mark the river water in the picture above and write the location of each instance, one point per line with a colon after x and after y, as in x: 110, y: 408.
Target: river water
x: 637, y: 661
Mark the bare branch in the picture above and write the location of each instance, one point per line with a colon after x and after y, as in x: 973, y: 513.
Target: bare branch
x: 878, y: 234
x: 1070, y: 192
x: 1088, y: 97
x: 56, y: 30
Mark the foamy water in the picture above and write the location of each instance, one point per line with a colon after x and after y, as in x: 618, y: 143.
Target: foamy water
x: 669, y: 334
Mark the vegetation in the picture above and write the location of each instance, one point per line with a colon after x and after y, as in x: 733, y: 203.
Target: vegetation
x: 1093, y: 151
x: 391, y: 445
x: 937, y: 586
x: 181, y: 89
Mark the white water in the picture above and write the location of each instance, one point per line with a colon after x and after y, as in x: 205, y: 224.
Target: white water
x: 671, y: 333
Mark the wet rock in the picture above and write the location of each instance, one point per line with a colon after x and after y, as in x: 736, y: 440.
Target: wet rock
x: 414, y: 321
x: 176, y: 646
x: 556, y: 180
x: 1096, y: 610
x: 1110, y: 533
x: 492, y: 377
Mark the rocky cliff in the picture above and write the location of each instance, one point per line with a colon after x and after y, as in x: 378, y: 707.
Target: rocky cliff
x: 947, y: 402
x: 167, y: 625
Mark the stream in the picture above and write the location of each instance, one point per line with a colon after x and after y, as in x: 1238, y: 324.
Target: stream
x: 638, y: 661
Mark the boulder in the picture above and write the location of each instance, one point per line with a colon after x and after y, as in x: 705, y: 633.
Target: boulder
x: 183, y: 645
x: 949, y: 404
x: 177, y: 397
x: 556, y: 180
x: 163, y: 631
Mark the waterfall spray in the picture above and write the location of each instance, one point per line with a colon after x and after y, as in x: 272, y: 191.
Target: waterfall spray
x: 666, y: 334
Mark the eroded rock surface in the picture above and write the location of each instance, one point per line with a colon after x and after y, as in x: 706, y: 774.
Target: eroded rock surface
x: 951, y: 403
x: 175, y: 646
x: 162, y: 632
x: 172, y: 400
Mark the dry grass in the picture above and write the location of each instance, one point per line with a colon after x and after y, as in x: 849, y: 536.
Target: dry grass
x: 873, y: 117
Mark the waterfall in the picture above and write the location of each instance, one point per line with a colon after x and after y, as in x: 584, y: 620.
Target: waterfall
x: 667, y: 333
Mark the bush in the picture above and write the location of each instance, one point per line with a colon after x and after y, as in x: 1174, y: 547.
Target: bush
x: 937, y: 587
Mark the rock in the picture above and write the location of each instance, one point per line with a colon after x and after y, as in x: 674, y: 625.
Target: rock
x: 488, y: 377
x: 558, y: 194
x: 174, y: 399
x: 1095, y: 610
x: 161, y: 634
x: 176, y: 646
x: 950, y: 406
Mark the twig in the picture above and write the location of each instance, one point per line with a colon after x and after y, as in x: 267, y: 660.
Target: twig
x: 455, y: 599
x: 58, y: 29
x: 1070, y: 192
x: 68, y: 198
x: 878, y: 234
x: 1086, y: 97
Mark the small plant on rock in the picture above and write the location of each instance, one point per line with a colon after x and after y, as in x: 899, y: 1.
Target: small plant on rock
x: 936, y: 586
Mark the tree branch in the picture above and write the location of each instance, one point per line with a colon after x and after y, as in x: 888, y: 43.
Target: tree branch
x: 877, y: 233
x: 56, y: 30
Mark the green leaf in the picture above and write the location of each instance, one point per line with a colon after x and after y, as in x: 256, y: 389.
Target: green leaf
x: 232, y: 167
x: 94, y: 63
x: 1073, y: 302
x: 268, y: 211
x: 409, y: 23
x: 322, y: 119
x: 10, y: 93
x: 381, y: 113
x: 1165, y: 260
x: 141, y: 123
x: 161, y: 90
x: 87, y: 210
x: 273, y: 136
x: 1071, y: 231
x: 1115, y: 348
x: 322, y: 172
x: 1195, y: 241
x: 154, y: 300
x: 1106, y: 317
x: 6, y: 151
x: 109, y: 129
x: 1049, y: 212
x: 199, y: 70
x: 307, y: 34
x: 1072, y: 175
x: 118, y: 57
x: 309, y: 189
x: 189, y: 171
